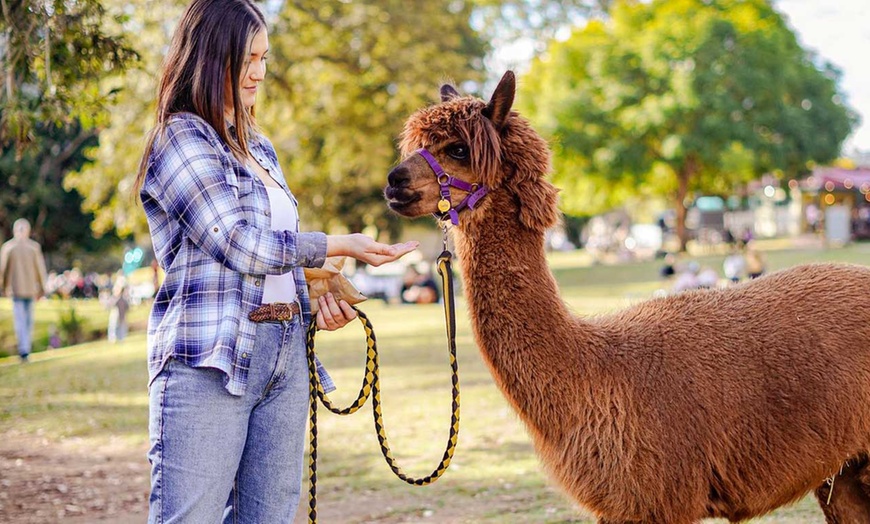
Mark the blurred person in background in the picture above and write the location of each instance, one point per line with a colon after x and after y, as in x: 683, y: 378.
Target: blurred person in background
x: 734, y: 266
x: 418, y: 286
x: 22, y: 277
x: 707, y: 278
x: 686, y: 277
x: 669, y: 268
x: 756, y: 262
x: 118, y: 302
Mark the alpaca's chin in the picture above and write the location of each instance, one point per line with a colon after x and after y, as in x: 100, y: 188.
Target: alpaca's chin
x: 406, y: 209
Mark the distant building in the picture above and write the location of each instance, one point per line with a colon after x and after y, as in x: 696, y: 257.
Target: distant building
x: 842, y: 197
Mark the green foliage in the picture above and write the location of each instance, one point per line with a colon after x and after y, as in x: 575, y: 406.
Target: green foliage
x: 52, y: 106
x: 671, y: 97
x: 55, y: 53
x: 106, y: 183
x: 343, y: 78
x: 535, y: 20
x: 32, y: 182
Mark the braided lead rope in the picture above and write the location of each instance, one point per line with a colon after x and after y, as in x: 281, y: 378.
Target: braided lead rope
x: 371, y: 384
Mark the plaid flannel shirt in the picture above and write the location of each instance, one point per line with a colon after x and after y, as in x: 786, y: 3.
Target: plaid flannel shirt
x: 209, y: 217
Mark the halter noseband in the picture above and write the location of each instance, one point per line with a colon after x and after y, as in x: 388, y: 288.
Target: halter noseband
x: 475, y: 192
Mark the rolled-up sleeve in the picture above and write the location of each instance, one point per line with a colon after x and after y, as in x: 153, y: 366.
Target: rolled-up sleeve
x: 190, y: 179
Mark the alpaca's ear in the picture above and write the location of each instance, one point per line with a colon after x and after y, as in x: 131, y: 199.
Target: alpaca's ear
x: 499, y: 106
x: 448, y: 92
x: 539, y: 199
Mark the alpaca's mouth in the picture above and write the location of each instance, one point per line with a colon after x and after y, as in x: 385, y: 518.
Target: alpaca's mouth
x: 400, y: 199
x: 402, y: 207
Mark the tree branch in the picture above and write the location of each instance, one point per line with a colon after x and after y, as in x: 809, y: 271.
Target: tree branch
x: 54, y: 162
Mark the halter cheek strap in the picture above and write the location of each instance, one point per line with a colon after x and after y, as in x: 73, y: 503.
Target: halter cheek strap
x: 475, y: 192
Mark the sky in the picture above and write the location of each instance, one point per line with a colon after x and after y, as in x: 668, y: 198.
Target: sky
x: 839, y: 31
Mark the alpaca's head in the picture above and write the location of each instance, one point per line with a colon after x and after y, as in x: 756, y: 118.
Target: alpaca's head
x: 479, y: 143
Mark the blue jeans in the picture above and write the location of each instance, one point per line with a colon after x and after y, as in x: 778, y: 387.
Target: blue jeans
x: 237, y: 459
x: 22, y: 317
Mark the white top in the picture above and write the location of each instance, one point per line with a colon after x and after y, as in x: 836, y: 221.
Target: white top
x: 281, y: 288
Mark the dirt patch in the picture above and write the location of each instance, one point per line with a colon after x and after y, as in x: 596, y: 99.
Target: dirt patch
x: 75, y: 482
x: 43, y: 481
x: 47, y: 482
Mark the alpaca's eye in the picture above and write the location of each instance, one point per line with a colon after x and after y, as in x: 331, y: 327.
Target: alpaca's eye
x: 457, y: 151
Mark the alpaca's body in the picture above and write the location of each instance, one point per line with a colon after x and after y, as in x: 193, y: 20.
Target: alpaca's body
x: 679, y: 398
x: 721, y: 403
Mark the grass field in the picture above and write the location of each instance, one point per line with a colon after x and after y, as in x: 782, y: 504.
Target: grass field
x: 95, y: 396
x: 92, y: 315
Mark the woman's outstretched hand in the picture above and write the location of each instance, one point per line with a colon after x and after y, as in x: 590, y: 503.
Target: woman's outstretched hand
x: 366, y: 249
x: 336, y: 314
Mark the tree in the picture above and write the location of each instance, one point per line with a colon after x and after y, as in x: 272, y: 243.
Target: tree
x: 53, y: 55
x: 52, y: 106
x: 106, y: 183
x: 343, y: 78
x: 675, y: 96
x: 535, y: 20
x: 33, y: 188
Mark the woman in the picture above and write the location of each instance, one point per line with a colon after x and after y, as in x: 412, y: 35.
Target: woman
x: 228, y: 374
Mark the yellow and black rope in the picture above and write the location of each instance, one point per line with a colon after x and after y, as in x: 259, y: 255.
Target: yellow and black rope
x: 371, y: 384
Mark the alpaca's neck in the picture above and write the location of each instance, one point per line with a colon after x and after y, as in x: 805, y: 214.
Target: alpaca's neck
x: 525, y: 332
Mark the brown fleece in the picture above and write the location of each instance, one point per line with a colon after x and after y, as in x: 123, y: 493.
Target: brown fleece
x: 718, y: 403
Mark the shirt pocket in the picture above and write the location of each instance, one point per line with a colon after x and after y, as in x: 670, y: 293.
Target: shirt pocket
x: 250, y: 202
x: 246, y: 186
x: 240, y: 181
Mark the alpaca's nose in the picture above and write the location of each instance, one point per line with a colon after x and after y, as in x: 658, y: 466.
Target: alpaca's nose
x: 399, y: 177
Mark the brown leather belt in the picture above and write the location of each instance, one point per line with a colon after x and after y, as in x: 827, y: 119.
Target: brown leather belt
x: 274, y: 312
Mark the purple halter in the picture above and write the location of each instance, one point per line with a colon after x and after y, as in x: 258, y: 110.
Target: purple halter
x: 475, y: 192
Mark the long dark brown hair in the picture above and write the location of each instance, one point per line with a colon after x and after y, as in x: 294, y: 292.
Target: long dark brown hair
x: 212, y: 40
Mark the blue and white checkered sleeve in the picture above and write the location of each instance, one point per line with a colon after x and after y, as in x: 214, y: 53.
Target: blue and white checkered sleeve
x: 189, y: 177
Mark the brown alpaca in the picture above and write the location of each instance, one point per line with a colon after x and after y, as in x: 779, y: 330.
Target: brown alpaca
x: 721, y: 403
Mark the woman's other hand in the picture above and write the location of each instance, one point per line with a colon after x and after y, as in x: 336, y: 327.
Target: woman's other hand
x: 333, y: 315
x: 366, y: 249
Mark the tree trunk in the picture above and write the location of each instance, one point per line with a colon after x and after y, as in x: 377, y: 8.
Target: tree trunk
x: 8, y: 66
x: 686, y: 172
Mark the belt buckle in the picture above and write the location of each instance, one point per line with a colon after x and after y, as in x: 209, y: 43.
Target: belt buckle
x: 282, y: 311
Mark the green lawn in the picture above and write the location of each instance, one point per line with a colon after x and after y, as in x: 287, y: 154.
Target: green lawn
x: 96, y: 392
x: 94, y: 318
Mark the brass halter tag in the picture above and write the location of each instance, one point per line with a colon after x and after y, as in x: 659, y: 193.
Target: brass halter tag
x: 444, y: 205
